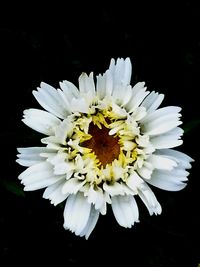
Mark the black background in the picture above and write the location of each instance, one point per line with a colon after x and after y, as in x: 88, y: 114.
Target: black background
x: 163, y: 42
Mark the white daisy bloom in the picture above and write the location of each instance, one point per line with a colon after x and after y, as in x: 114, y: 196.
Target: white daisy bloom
x: 106, y: 141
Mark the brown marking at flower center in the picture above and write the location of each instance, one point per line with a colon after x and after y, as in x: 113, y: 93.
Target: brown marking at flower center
x: 105, y: 146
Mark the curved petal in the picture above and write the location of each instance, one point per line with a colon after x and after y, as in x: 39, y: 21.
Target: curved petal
x: 31, y: 155
x: 162, y: 112
x: 138, y: 94
x: 66, y: 102
x: 39, y: 176
x: 114, y: 189
x: 168, y: 180
x: 69, y: 90
x: 76, y: 213
x: 54, y: 193
x: 64, y: 130
x: 152, y: 102
x: 161, y: 121
x: 134, y: 182
x: 162, y: 162
x: 125, y: 210
x: 168, y: 140
x: 115, y: 79
x: 149, y: 199
x: 79, y: 105
x: 122, y: 94
x: 162, y: 125
x: 49, y: 98
x: 60, y: 164
x: 146, y: 170
x: 86, y: 86
x: 96, y: 197
x: 183, y: 160
x: 93, y: 218
x: 101, y: 86
x: 109, y: 83
x: 121, y: 71
x: 41, y: 121
x: 72, y: 186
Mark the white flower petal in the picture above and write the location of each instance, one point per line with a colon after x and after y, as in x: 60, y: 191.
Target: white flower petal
x: 66, y: 102
x: 58, y: 159
x: 114, y: 189
x: 134, y: 181
x: 146, y: 170
x: 86, y: 86
x: 149, y: 200
x: 125, y: 210
x: 54, y: 193
x: 162, y: 120
x: 152, y: 101
x: 121, y: 71
x: 69, y: 90
x: 41, y: 121
x: 181, y: 158
x: 38, y: 176
x: 64, y: 168
x: 96, y: 197
x: 161, y: 113
x: 127, y: 189
x: 43, y: 167
x: 49, y: 99
x: 121, y: 94
x: 64, y: 130
x: 121, y: 75
x: 31, y: 155
x: 72, y: 186
x: 32, y: 150
x: 76, y: 213
x: 142, y: 140
x: 109, y: 83
x: 69, y: 211
x: 28, y: 162
x: 168, y: 140
x: 161, y: 162
x: 61, y: 165
x: 161, y: 125
x: 118, y: 111
x: 139, y: 113
x: 79, y: 105
x: 93, y: 218
x: 52, y: 143
x: 138, y: 95
x: 181, y: 174
x: 101, y: 86
x: 126, y: 95
x: 167, y: 180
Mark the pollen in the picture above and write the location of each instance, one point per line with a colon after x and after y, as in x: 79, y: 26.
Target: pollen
x: 106, y: 147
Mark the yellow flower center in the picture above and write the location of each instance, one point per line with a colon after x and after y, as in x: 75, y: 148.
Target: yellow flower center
x: 106, y: 147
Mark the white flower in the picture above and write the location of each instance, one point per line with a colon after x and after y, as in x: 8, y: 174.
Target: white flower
x: 106, y: 141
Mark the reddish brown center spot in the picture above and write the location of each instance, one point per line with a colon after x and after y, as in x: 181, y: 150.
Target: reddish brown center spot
x: 105, y: 146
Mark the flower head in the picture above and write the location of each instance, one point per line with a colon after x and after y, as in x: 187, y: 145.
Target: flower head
x: 106, y: 143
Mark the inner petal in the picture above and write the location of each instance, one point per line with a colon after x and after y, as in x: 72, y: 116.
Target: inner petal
x: 106, y: 147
